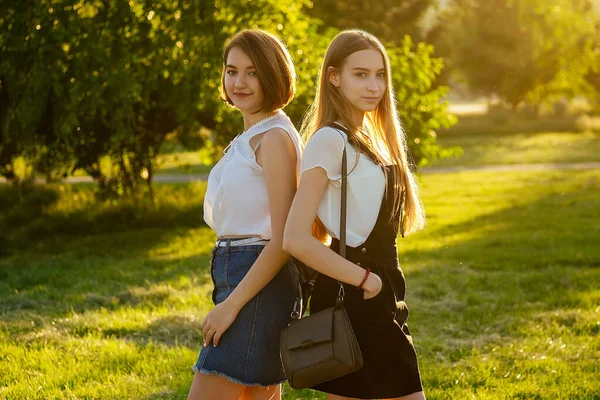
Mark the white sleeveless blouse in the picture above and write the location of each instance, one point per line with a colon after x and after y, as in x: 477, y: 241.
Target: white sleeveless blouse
x: 366, y: 185
x: 236, y: 203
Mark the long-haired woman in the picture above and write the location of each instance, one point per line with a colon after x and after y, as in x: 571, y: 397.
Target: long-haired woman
x: 355, y: 108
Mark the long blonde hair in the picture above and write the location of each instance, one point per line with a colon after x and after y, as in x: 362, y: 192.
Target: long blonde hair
x: 385, y: 137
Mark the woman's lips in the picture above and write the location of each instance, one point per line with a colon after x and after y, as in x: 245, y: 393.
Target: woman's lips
x: 371, y: 99
x: 242, y: 95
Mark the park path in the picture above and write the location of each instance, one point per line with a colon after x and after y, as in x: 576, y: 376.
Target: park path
x: 513, y: 167
x: 182, y: 178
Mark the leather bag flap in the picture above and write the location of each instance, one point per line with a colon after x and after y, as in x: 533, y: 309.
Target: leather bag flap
x: 311, y: 330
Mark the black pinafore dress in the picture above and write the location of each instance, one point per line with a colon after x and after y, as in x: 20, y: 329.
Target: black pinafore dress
x: 390, y: 366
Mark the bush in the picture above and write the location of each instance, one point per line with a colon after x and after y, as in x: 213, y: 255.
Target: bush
x: 420, y: 104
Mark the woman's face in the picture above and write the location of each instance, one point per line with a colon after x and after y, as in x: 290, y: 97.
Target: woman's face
x: 241, y: 82
x: 362, y: 79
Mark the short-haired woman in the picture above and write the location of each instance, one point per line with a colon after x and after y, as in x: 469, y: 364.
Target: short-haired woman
x: 249, y: 194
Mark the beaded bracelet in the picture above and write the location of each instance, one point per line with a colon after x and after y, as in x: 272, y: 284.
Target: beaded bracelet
x: 364, y: 280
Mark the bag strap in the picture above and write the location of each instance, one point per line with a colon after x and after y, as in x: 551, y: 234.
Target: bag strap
x: 343, y: 206
x: 344, y: 194
x: 344, y: 203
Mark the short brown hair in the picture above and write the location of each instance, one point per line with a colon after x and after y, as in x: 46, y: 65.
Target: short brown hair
x: 273, y: 63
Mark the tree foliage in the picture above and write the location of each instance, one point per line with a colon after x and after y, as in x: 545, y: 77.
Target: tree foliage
x: 389, y: 20
x: 529, y: 50
x: 592, y: 76
x: 422, y: 112
x: 97, y: 85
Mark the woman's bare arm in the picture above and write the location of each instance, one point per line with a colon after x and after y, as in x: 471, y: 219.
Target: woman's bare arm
x: 299, y: 242
x: 277, y: 156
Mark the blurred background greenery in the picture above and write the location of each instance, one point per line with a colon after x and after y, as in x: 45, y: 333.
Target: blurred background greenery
x: 104, y: 284
x: 103, y: 88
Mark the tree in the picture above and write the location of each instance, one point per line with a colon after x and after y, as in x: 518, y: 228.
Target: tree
x: 592, y: 77
x: 97, y: 85
x: 519, y: 50
x: 389, y: 20
x: 82, y: 81
x: 420, y: 105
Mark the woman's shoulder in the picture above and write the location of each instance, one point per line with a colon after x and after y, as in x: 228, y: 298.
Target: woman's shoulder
x: 278, y: 120
x: 328, y: 135
x: 279, y: 125
x: 324, y: 148
x: 282, y: 119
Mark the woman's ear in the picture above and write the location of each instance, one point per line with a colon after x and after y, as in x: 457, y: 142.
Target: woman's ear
x: 333, y: 76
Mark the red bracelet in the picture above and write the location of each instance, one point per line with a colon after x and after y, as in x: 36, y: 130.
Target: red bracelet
x: 364, y: 280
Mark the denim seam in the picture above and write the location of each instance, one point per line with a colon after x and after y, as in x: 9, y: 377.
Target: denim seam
x: 226, y: 268
x: 203, y: 357
x: 212, y: 275
x: 251, y: 334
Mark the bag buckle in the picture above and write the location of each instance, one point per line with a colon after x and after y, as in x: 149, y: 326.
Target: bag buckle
x: 297, y: 310
x: 340, y: 297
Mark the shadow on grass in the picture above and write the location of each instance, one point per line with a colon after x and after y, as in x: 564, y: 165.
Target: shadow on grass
x: 64, y: 257
x: 39, y: 295
x: 487, y: 286
x: 514, y: 266
x: 72, y: 211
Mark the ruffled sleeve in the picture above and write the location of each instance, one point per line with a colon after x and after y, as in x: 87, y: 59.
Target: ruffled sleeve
x: 324, y: 149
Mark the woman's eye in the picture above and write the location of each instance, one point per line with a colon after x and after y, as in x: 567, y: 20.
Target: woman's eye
x: 230, y: 72
x: 361, y: 74
x: 381, y: 75
x: 252, y: 73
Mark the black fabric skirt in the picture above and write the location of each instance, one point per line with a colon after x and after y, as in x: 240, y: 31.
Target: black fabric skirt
x: 390, y: 367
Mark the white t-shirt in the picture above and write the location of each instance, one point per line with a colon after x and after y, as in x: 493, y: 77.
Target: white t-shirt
x: 366, y: 185
x: 236, y: 203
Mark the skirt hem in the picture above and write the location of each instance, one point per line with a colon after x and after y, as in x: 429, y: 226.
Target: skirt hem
x: 232, y: 379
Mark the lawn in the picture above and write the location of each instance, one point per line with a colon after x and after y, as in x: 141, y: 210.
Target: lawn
x: 185, y: 162
x: 478, y: 149
x: 105, y: 301
x: 521, y: 148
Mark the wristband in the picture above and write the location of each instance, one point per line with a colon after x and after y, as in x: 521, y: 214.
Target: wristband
x: 364, y: 280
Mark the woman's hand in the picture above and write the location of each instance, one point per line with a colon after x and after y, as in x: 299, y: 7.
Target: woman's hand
x: 218, y: 320
x: 372, y: 286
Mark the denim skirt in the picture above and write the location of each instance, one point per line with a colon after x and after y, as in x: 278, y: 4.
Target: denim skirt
x: 248, y: 352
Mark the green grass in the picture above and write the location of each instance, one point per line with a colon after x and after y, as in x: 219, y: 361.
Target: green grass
x: 505, y: 285
x: 101, y: 300
x: 187, y: 162
x: 478, y: 149
x: 521, y: 148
